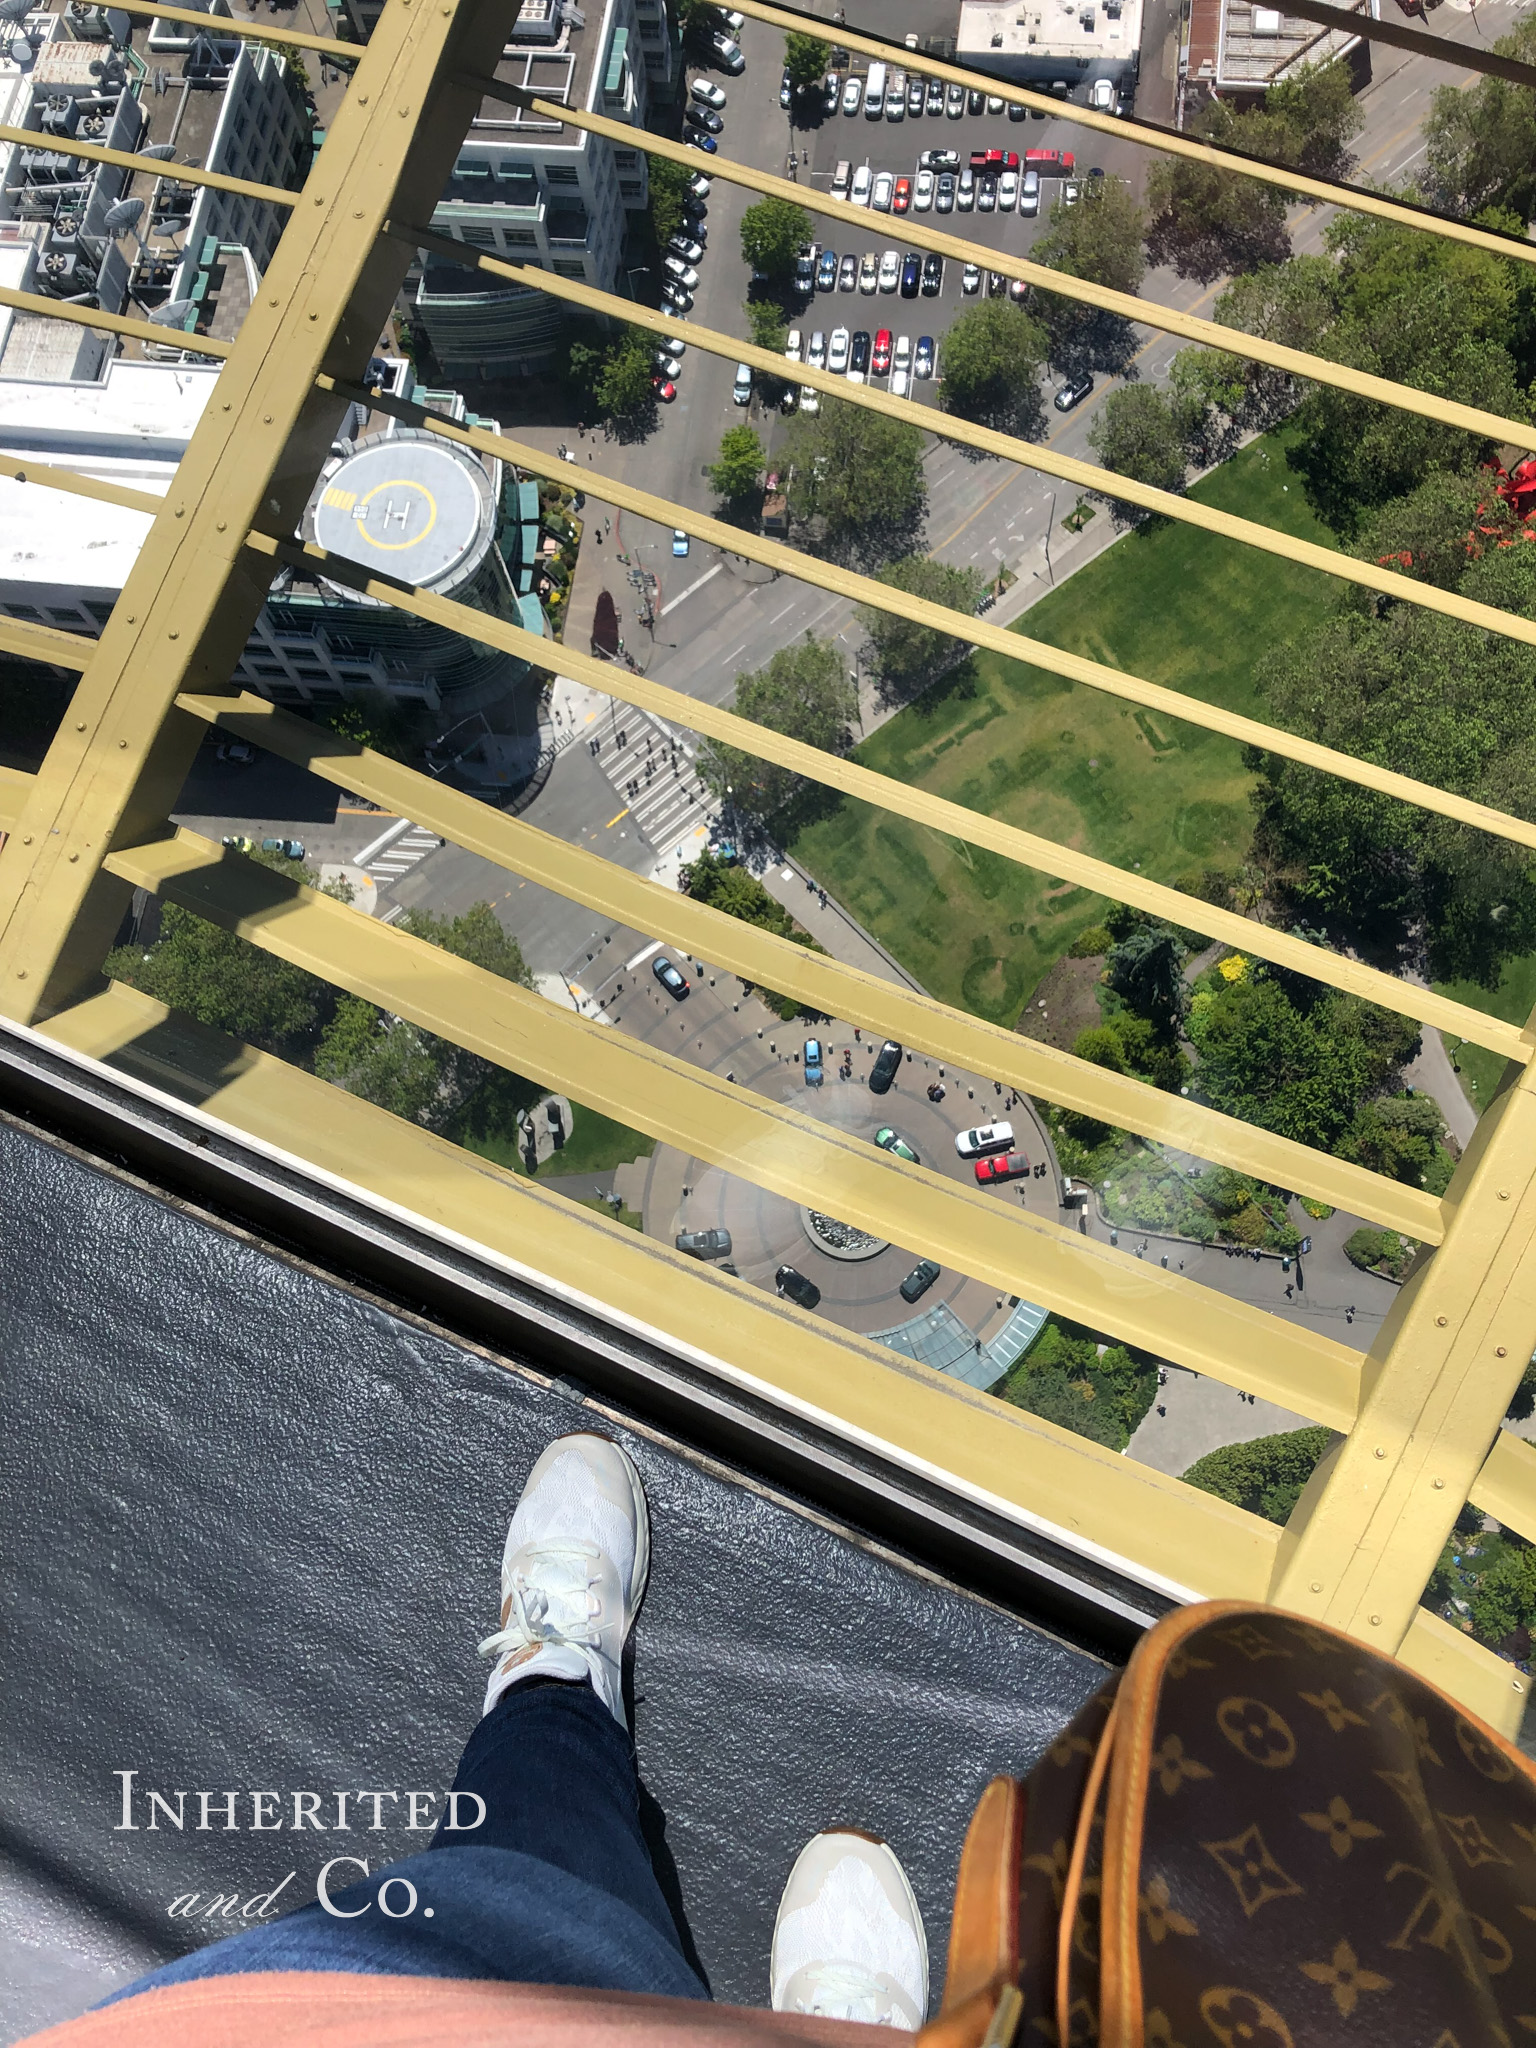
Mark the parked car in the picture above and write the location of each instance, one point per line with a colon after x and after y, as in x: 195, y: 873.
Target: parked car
x: 239, y: 751
x: 919, y: 1280
x: 970, y: 278
x: 816, y: 354
x: 1102, y: 98
x: 685, y: 273
x: 804, y: 1293
x: 786, y: 89
x: 884, y: 1071
x: 813, y: 1068
x: 695, y: 138
x: 705, y: 1244
x: 984, y: 1138
x: 901, y: 355
x: 896, y: 97
x: 869, y: 271
x: 1029, y: 194
x: 705, y: 118
x: 884, y: 191
x: 880, y: 363
x: 792, y: 346
x: 684, y: 247
x: 726, y: 52
x: 1073, y: 392
x: 672, y: 979
x: 997, y: 284
x: 664, y: 388
x: 892, y: 1141
x: 1007, y: 191
x: 810, y: 400
x: 858, y: 356
x: 1069, y: 193
x: 826, y: 271
x: 922, y: 359
x: 998, y: 1166
x: 994, y: 105
x: 1051, y: 163
x: 853, y: 95
x: 965, y: 190
x: 954, y: 102
x: 678, y: 297
x: 914, y: 96
x: 940, y: 159
x: 837, y: 351
x: 290, y: 849
x: 741, y: 390
x: 1018, y: 290
x: 986, y: 192
x: 667, y: 365
x: 707, y: 93
x: 805, y: 269
x: 831, y: 92
x: 679, y: 541
x: 863, y: 184
x: 1017, y: 111
x: 901, y: 198
x: 847, y: 273
x: 890, y: 270
x: 922, y: 192
x: 935, y: 101
x: 911, y: 276
x: 238, y: 843
x: 944, y: 193
x: 700, y: 187
x: 933, y: 274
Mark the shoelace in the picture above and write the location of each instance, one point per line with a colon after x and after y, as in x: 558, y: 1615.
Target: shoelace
x: 554, y: 1604
x: 839, y: 1991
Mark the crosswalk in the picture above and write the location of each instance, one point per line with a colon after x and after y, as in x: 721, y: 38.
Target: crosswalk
x: 653, y: 773
x: 401, y: 854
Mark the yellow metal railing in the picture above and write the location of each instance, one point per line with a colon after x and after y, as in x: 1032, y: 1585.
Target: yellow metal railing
x: 1416, y: 1415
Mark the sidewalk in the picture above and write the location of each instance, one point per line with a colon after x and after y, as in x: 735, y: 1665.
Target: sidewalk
x: 829, y: 924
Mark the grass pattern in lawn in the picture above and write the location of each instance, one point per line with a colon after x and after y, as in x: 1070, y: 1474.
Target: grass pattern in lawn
x: 1180, y: 607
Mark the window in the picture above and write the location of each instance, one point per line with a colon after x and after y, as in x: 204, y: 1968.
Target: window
x: 650, y: 32
x: 267, y: 668
x: 479, y: 238
x: 313, y: 675
x: 22, y: 611
x: 627, y: 159
x: 630, y: 188
x: 520, y: 238
x: 564, y: 267
x: 561, y: 174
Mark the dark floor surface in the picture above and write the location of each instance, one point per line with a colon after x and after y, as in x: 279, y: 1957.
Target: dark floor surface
x: 252, y: 1524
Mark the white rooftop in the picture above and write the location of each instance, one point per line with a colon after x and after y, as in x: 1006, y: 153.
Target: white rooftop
x: 1102, y: 30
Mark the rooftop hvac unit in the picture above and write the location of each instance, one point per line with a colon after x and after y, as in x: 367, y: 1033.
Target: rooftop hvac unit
x: 65, y: 274
x: 47, y: 167
x: 61, y: 115
x: 93, y: 127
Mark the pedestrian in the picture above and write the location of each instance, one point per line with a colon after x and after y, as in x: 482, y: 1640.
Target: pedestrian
x: 1290, y: 1291
x: 858, y: 1036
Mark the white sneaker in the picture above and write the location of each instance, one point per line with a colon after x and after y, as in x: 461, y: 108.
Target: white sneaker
x: 848, y: 1943
x: 573, y: 1572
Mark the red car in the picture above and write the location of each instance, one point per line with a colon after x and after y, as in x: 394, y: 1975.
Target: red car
x: 882, y: 358
x: 664, y: 389
x: 1002, y: 1166
x: 1051, y: 162
x: 901, y: 198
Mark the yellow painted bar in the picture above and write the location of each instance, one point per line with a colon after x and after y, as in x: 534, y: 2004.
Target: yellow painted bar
x: 775, y: 1147
x: 1465, y: 56
x: 1505, y: 1487
x: 114, y: 323
x: 1491, y: 1688
x: 248, y: 28
x: 887, y: 1008
x: 154, y: 167
x: 46, y: 643
x: 14, y: 785
x: 53, y: 478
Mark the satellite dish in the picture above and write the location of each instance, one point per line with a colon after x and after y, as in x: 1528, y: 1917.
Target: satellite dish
x: 123, y: 215
x: 178, y: 226
x: 158, y: 150
x: 15, y: 10
x: 173, y: 313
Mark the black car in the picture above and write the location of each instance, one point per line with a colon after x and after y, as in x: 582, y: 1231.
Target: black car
x: 915, y: 97
x: 704, y: 117
x: 1073, y: 393
x: 986, y: 192
x: 800, y: 1290
x: 826, y: 271
x: 944, y: 193
x: 675, y: 983
x: 705, y: 1244
x: 919, y: 1280
x: 911, y: 277
x: 805, y: 271
x: 976, y: 102
x: 933, y: 275
x: 997, y: 284
x: 858, y: 353
x: 884, y: 1071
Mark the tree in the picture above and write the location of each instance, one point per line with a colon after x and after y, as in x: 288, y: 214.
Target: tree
x: 908, y: 656
x: 766, y: 323
x: 772, y: 233
x: 1480, y: 145
x: 1145, y: 970
x: 1434, y: 532
x: 990, y: 363
x: 1265, y: 1476
x: 728, y: 886
x: 226, y: 982
x: 1066, y: 1378
x: 622, y: 387
x: 1431, y: 699
x: 1400, y: 1136
x: 737, y: 473
x: 668, y: 186
x: 806, y: 59
x: 859, y: 476
x: 1100, y: 241
x: 1503, y: 1602
x: 805, y: 692
x: 1138, y: 434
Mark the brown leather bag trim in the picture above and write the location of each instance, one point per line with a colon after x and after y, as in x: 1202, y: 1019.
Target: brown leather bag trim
x: 1072, y: 1888
x: 984, y: 1926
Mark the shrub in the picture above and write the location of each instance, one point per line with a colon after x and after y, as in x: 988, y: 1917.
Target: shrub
x: 1090, y: 944
x: 1265, y: 1476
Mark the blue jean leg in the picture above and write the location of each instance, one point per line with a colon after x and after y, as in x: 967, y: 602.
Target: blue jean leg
x: 555, y: 1887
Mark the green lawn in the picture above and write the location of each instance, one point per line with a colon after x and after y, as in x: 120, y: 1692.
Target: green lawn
x: 1514, y: 999
x: 596, y: 1145
x: 1176, y: 606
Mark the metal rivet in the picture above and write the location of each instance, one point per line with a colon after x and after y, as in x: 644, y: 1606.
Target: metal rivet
x: 220, y: 524
x: 267, y: 419
x: 225, y: 406
x: 362, y: 99
x: 271, y: 302
x: 1380, y: 1452
x: 357, y: 213
x: 74, y: 857
x: 122, y: 743
x: 1317, y: 1585
x: 319, y: 202
x: 80, y: 725
x: 1375, y: 1621
x: 314, y: 316
x: 1503, y: 1194
x: 21, y: 974
x: 1517, y: 1685
x: 26, y: 839
x: 1500, y: 1351
x: 1440, y: 1322
x: 181, y: 511
x: 131, y: 617
x: 173, y: 634
x: 1437, y: 1484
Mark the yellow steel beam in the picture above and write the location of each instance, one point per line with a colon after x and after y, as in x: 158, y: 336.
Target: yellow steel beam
x: 1087, y: 476
x: 155, y: 167
x: 194, y: 592
x: 986, y: 1451
x: 823, y: 983
x: 113, y: 323
x: 1410, y: 999
x: 1326, y: 191
x: 1445, y: 411
x: 46, y: 643
x: 14, y: 786
x: 1113, y: 682
x: 1440, y: 48
x: 246, y: 28
x: 57, y: 479
x: 775, y: 1147
x: 1366, y: 1535
x: 1505, y: 1487
x: 1477, y: 1678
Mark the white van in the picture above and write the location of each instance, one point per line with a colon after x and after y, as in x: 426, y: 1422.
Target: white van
x: 874, y: 93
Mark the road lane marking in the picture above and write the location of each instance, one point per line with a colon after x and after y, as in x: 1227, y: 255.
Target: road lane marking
x: 614, y: 820
x: 673, y: 603
x: 783, y: 614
